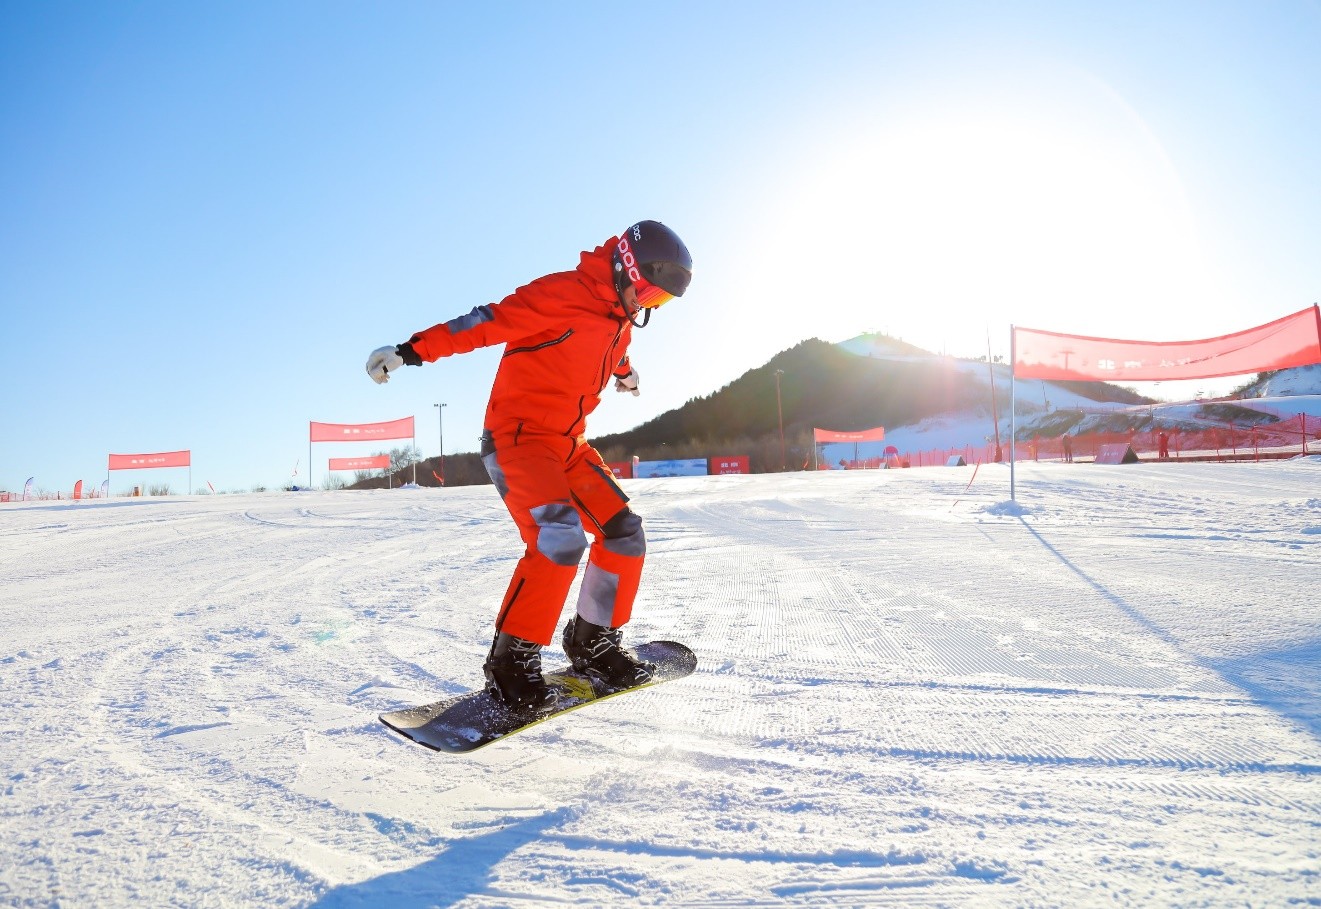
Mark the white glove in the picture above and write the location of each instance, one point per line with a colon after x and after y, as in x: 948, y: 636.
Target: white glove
x: 382, y: 362
x: 628, y: 382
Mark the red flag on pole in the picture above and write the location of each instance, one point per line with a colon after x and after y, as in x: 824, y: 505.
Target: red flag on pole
x: 369, y: 463
x: 362, y: 432
x: 862, y: 435
x: 145, y: 461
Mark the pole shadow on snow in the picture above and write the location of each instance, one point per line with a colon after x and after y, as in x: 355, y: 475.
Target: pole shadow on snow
x: 465, y: 868
x: 98, y: 504
x: 1284, y: 681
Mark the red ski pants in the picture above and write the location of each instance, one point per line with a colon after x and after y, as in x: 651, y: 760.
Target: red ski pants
x: 558, y: 491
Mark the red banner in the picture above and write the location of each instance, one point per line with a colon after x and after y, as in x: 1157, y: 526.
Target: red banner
x: 1292, y: 341
x: 147, y: 461
x: 729, y: 464
x: 862, y: 435
x: 375, y: 462
x: 623, y: 470
x: 362, y: 432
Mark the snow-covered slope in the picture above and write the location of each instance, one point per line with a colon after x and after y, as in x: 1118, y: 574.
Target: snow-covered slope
x: 911, y: 691
x: 1302, y: 380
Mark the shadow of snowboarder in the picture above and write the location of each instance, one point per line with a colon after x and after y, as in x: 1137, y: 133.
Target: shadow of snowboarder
x: 465, y: 868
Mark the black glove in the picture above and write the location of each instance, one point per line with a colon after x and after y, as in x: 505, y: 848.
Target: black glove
x: 408, y: 354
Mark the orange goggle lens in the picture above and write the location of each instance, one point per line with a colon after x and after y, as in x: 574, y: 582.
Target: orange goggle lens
x: 650, y: 296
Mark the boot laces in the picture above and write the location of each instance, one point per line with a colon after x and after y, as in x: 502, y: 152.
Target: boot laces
x: 603, y: 643
x: 526, y: 658
x: 605, y: 656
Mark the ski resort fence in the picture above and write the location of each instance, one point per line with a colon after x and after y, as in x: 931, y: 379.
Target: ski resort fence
x: 1300, y: 434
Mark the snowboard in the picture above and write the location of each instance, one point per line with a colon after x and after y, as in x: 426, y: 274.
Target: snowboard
x: 466, y: 722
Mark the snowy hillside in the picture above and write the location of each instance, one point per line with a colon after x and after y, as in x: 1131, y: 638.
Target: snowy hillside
x: 911, y: 691
x: 1303, y: 380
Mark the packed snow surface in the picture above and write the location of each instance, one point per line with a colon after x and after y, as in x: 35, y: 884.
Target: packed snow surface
x: 912, y: 691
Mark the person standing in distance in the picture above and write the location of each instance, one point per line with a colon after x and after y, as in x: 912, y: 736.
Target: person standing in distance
x: 566, y: 335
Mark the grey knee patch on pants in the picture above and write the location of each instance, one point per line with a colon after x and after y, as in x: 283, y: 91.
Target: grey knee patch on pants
x: 497, y: 475
x: 596, y: 597
x: 560, y: 535
x: 624, y: 535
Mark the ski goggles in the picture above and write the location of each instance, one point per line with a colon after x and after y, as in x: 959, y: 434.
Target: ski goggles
x: 651, y: 295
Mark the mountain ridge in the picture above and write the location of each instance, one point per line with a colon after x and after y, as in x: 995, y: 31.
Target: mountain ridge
x: 868, y: 381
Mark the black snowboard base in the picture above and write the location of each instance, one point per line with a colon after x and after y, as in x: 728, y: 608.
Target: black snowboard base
x: 466, y: 722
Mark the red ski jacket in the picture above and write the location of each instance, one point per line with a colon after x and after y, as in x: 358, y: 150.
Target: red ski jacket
x: 565, y: 336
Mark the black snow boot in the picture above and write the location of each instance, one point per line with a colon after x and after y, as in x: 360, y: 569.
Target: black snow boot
x: 595, y: 649
x: 513, y: 673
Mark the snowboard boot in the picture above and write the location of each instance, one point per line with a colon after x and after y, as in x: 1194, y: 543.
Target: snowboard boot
x: 513, y: 674
x: 594, y: 649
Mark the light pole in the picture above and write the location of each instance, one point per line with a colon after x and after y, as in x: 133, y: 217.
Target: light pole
x: 440, y: 412
x: 779, y: 407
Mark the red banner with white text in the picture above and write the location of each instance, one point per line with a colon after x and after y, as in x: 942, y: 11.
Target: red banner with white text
x: 375, y: 462
x: 362, y: 432
x: 863, y: 435
x: 147, y: 461
x: 1292, y: 341
x: 729, y: 464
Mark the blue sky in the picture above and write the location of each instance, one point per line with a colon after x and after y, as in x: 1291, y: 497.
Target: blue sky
x: 211, y: 213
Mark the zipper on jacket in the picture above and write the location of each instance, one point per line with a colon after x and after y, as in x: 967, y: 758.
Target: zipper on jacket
x: 560, y: 340
x: 605, y: 364
x: 579, y: 424
x: 601, y: 383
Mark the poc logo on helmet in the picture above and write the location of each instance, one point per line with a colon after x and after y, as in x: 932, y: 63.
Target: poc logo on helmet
x: 628, y: 261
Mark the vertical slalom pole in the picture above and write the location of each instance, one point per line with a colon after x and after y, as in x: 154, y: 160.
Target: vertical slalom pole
x: 995, y: 409
x: 1013, y: 409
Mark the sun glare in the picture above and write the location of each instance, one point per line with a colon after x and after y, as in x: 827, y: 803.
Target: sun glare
x: 938, y: 228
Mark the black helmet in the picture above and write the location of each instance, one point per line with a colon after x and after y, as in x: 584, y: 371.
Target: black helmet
x: 652, y: 256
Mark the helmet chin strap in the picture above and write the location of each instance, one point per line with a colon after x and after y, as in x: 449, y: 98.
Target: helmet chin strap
x: 646, y: 317
x: 631, y: 316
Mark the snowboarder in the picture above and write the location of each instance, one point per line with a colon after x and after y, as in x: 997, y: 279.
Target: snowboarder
x: 565, y: 336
